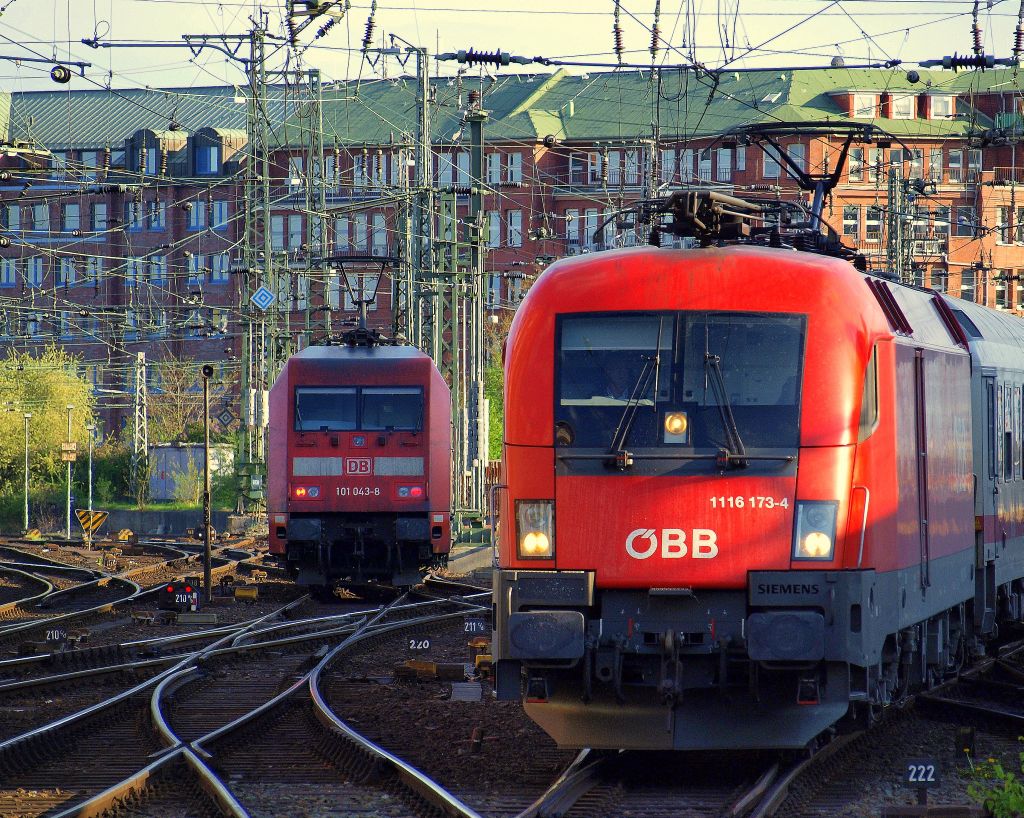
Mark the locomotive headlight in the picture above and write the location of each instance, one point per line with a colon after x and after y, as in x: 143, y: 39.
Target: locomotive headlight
x: 676, y: 427
x: 814, y: 532
x: 535, y: 529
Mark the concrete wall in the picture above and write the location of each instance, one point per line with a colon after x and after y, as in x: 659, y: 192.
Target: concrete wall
x: 161, y: 523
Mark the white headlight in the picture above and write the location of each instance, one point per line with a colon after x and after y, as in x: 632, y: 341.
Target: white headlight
x: 814, y: 531
x: 535, y: 529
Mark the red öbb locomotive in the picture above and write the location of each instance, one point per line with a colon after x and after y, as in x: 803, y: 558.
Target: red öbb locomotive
x: 358, y: 460
x: 752, y: 493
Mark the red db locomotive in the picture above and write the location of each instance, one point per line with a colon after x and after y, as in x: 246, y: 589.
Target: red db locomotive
x: 752, y: 493
x: 359, y: 460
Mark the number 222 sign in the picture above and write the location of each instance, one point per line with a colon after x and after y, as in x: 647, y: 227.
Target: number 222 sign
x: 921, y: 772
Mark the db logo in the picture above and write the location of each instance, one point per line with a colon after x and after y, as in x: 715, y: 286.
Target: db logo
x: 644, y: 542
x: 357, y: 465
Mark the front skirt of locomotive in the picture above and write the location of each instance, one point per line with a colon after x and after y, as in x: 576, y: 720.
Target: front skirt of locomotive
x: 678, y: 669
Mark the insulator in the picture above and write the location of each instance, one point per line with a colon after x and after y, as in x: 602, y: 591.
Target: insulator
x: 142, y: 159
x: 163, y: 162
x: 975, y: 30
x: 617, y: 34
x: 957, y: 61
x: 289, y: 24
x: 325, y: 28
x: 655, y: 39
x: 106, y: 158
x: 371, y: 23
x: 474, y: 57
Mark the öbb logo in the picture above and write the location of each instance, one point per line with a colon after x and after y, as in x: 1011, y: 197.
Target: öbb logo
x: 644, y: 542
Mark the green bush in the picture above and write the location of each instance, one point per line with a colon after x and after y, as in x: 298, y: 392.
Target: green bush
x: 999, y: 790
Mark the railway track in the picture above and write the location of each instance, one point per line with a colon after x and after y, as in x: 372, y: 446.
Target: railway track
x: 227, y: 671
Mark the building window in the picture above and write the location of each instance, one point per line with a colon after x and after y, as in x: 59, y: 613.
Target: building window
x: 196, y: 270
x: 942, y: 107
x: 916, y: 169
x: 875, y: 159
x: 94, y: 268
x: 613, y: 161
x: 798, y: 153
x: 445, y: 170
x: 724, y: 165
x: 1019, y: 232
x: 66, y: 272
x: 294, y: 231
x: 515, y: 228
x: 132, y: 219
x: 741, y: 157
x: 331, y: 170
x: 218, y: 214
x: 379, y: 238
x: 686, y: 166
x: 197, y: 215
x: 1003, y: 225
x: 873, y: 223
x: 941, y: 229
x: 973, y: 165
x: 704, y: 166
x: 90, y: 164
x: 157, y: 215
x: 132, y: 268
x: 938, y: 280
x: 851, y: 220
x: 903, y: 106
x: 956, y: 165
x: 359, y: 230
x: 493, y: 290
x: 572, y: 228
x: 864, y: 106
x: 41, y: 218
x: 494, y: 168
x: 668, y: 166
x: 855, y: 166
x: 8, y: 272
x: 589, y: 228
x: 1003, y: 289
x: 277, y: 232
x: 151, y: 161
x: 71, y: 218
x: 35, y: 271
x: 920, y: 225
x: 294, y: 172
x: 12, y: 217
x: 595, y: 166
x: 158, y: 269
x: 515, y: 167
x: 966, y: 221
x: 935, y: 165
x: 99, y: 216
x: 494, y: 229
x: 632, y: 166
x: 66, y: 330
x: 221, y: 267
x: 207, y: 160
x: 771, y: 165
x: 341, y: 238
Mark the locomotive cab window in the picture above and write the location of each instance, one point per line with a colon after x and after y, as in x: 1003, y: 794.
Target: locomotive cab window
x: 391, y: 408
x: 327, y: 409
x: 669, y: 379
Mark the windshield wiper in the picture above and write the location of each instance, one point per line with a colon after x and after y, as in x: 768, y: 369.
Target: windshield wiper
x: 616, y: 447
x: 734, y: 453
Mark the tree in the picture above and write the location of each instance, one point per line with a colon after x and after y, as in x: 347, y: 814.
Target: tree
x: 176, y: 402
x: 43, y: 384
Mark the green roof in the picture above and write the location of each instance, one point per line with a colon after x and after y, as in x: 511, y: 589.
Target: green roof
x: 601, y: 106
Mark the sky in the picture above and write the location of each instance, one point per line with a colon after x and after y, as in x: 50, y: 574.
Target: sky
x: 738, y: 33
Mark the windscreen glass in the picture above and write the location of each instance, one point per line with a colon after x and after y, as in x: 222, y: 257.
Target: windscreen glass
x: 392, y: 408
x: 663, y: 380
x: 327, y: 409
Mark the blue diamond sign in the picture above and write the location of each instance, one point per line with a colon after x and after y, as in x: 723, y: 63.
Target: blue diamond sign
x: 262, y: 298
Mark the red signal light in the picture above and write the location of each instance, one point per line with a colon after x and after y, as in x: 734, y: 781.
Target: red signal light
x: 170, y: 589
x: 416, y: 491
x: 188, y: 589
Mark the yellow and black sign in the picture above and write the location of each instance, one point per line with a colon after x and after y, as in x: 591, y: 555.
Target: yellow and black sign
x: 91, y: 520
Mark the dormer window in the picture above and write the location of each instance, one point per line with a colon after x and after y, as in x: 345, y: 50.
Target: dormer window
x: 903, y: 106
x: 942, y: 107
x: 865, y: 106
x: 207, y: 160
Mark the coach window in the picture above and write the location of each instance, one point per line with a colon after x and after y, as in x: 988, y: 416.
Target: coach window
x: 990, y: 436
x: 869, y: 399
x: 325, y: 409
x: 392, y: 408
x: 1007, y: 425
